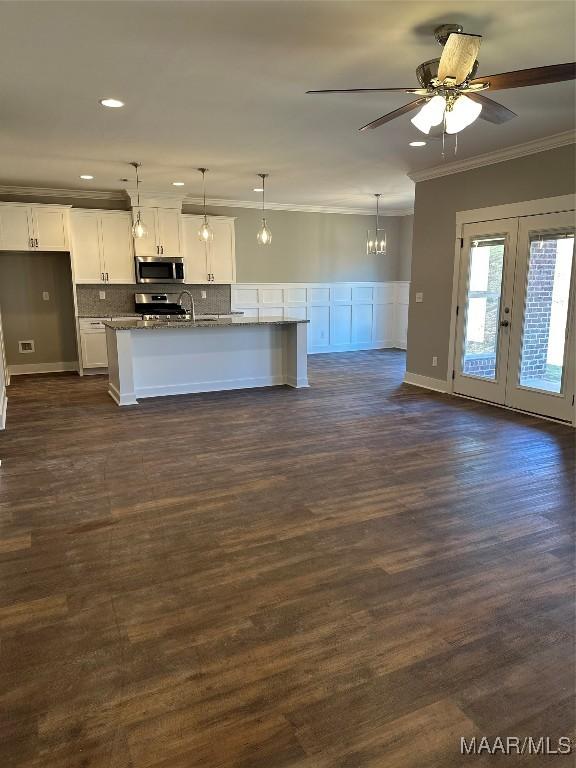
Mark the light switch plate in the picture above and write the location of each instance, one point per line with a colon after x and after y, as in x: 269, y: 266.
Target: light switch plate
x: 102, y: 295
x: 419, y: 297
x: 203, y: 294
x: 434, y: 361
x: 45, y: 296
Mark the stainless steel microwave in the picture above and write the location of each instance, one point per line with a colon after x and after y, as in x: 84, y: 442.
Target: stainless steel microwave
x: 159, y: 269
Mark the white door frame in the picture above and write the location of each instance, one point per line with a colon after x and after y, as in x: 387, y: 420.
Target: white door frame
x: 560, y: 204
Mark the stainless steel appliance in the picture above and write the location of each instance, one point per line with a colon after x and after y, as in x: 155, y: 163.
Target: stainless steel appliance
x: 159, y: 269
x: 153, y: 306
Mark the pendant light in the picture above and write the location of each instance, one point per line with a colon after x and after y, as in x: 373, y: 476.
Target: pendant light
x: 205, y: 233
x: 138, y: 229
x: 264, y: 236
x: 376, y: 239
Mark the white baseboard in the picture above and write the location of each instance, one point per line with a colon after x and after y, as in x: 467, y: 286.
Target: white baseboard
x: 24, y: 368
x: 426, y: 382
x: 3, y: 407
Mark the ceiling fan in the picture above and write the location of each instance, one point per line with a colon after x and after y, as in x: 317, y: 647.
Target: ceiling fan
x: 450, y: 93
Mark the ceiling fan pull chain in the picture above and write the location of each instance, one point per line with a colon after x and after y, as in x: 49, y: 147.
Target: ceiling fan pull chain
x: 456, y: 145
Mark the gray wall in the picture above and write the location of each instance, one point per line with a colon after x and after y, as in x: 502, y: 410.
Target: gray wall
x: 406, y: 237
x: 311, y: 247
x: 545, y: 174
x: 25, y: 315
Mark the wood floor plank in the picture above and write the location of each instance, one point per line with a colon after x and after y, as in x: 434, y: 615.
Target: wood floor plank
x: 353, y: 575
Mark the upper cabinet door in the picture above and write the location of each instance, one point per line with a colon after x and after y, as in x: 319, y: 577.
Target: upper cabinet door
x: 50, y: 231
x: 148, y: 245
x: 117, y: 252
x: 195, y: 257
x: 221, y: 256
x: 15, y: 234
x: 86, y: 251
x: 169, y: 232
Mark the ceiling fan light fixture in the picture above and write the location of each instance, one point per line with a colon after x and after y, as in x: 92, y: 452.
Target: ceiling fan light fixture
x: 431, y: 114
x: 462, y: 113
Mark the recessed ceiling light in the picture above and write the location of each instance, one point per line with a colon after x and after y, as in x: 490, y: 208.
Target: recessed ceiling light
x: 114, y: 103
x: 86, y: 176
x: 258, y: 189
x: 177, y: 183
x: 417, y: 143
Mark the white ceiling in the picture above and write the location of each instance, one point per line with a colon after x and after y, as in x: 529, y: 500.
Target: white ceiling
x: 223, y: 84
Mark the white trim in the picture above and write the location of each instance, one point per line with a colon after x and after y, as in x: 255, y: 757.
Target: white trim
x: 25, y: 368
x: 522, y: 412
x: 91, y: 194
x: 3, y: 408
x: 426, y: 382
x: 344, y: 316
x: 270, y: 206
x: 498, y: 156
x: 163, y: 198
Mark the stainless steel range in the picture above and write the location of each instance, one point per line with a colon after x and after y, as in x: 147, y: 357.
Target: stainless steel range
x: 156, y: 306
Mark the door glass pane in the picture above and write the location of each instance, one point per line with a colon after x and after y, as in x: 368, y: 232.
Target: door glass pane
x: 546, y: 311
x: 482, y: 308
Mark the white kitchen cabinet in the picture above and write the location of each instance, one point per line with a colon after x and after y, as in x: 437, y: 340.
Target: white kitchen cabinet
x: 117, y: 249
x: 102, y: 246
x: 163, y: 232
x: 213, y: 262
x: 33, y: 227
x: 93, y: 343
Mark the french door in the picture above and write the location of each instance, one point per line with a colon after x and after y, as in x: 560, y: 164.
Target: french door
x: 515, y: 337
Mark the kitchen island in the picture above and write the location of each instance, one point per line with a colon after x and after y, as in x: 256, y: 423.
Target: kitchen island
x: 150, y: 358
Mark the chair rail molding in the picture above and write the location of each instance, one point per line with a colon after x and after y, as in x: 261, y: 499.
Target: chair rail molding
x: 343, y: 316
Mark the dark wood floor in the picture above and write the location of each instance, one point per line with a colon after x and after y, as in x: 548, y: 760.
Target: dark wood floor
x: 350, y: 576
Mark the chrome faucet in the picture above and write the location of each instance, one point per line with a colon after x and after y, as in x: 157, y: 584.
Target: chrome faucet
x: 192, y: 307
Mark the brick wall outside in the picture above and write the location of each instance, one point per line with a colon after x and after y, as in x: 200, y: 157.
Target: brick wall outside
x: 538, y: 309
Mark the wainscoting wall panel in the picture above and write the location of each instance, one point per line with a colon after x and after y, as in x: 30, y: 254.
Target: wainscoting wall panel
x: 343, y: 316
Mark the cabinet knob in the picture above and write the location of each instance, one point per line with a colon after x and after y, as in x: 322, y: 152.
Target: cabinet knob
x: 36, y: 242
x: 107, y: 278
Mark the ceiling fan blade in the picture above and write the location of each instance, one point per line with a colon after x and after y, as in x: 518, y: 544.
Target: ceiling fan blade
x: 371, y: 90
x: 458, y: 56
x: 492, y: 111
x: 555, y: 73
x: 393, y: 115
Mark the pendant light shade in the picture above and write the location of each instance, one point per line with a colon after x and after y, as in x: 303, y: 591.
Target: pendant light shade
x: 205, y: 233
x: 376, y: 238
x: 431, y: 114
x: 463, y: 113
x: 264, y: 235
x: 138, y: 229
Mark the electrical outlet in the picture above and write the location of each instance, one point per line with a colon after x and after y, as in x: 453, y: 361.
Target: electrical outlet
x: 434, y: 361
x: 45, y: 296
x: 102, y: 295
x: 203, y: 294
x: 419, y: 297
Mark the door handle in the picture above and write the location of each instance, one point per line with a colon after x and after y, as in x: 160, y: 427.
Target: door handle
x: 504, y: 323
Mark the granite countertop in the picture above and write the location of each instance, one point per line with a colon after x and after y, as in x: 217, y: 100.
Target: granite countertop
x: 135, y: 325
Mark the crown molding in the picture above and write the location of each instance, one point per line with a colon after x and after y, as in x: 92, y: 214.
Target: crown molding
x: 171, y: 200
x: 220, y: 202
x: 89, y: 194
x: 498, y: 156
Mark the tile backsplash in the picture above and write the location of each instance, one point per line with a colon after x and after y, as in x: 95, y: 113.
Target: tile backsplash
x: 120, y: 298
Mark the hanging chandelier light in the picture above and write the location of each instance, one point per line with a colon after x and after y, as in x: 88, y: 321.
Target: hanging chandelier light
x: 264, y: 236
x: 138, y: 229
x: 376, y: 239
x: 205, y: 233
